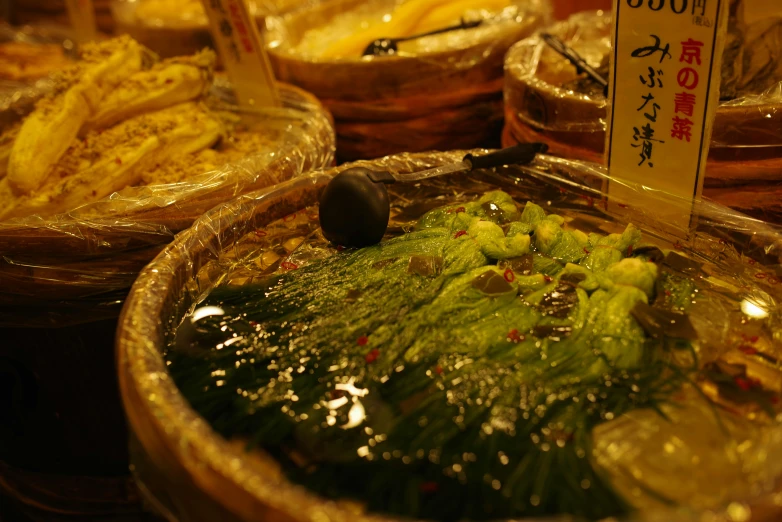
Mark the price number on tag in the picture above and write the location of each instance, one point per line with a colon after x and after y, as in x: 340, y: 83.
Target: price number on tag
x: 677, y: 6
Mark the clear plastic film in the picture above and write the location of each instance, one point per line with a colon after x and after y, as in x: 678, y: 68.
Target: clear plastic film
x: 710, y: 457
x: 175, y: 27
x: 29, y: 54
x: 546, y: 100
x: 435, y: 93
x: 76, y: 267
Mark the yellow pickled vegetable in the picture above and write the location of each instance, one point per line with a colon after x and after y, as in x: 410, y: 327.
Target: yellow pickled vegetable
x: 452, y: 12
x: 403, y: 21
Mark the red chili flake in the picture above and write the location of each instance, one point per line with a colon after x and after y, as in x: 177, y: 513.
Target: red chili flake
x: 677, y: 246
x: 562, y: 190
x: 622, y: 205
x: 261, y: 233
x: 438, y: 369
x: 460, y: 234
x: 118, y: 161
x: 372, y: 356
x: 362, y: 341
x: 667, y: 293
x: 548, y: 279
x: 428, y: 487
x: 340, y: 248
x: 749, y: 350
x: 588, y: 199
x: 509, y: 275
x: 629, y: 250
x: 289, y: 217
x: 169, y: 80
x: 586, y: 251
x: 515, y: 336
x: 773, y: 281
x: 749, y: 339
x: 760, y: 275
x: 460, y: 209
x: 287, y: 265
x: 746, y: 384
x: 336, y: 394
x: 751, y: 261
x: 774, y: 400
x: 253, y: 323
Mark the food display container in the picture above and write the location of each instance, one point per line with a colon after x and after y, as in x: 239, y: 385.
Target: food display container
x: 435, y: 93
x: 545, y: 103
x: 54, y: 11
x: 63, y: 279
x: 703, y: 455
x: 27, y: 56
x: 176, y: 27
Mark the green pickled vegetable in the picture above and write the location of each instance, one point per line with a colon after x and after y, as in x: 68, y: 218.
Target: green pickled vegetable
x: 454, y: 372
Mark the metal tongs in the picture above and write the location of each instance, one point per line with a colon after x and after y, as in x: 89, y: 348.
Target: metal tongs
x: 387, y: 46
x: 573, y: 57
x: 355, y: 208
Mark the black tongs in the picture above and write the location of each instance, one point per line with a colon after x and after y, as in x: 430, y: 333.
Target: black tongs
x: 354, y: 206
x: 386, y: 46
x: 573, y: 57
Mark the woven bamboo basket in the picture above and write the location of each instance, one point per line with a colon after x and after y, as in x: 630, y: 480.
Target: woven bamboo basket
x: 746, y: 154
x: 62, y: 283
x: 192, y: 474
x: 444, y: 99
x: 183, y: 27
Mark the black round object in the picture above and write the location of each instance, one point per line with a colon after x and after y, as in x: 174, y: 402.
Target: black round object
x: 354, y: 207
x: 382, y: 47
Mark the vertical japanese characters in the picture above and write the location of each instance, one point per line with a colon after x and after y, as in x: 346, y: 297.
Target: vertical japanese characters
x: 687, y: 78
x: 643, y: 138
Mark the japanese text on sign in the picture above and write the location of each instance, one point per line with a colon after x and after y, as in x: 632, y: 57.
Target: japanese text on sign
x: 664, y: 91
x: 241, y: 48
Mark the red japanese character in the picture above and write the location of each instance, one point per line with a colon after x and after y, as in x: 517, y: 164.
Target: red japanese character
x: 688, y: 78
x: 684, y: 103
x: 691, y: 50
x: 682, y: 128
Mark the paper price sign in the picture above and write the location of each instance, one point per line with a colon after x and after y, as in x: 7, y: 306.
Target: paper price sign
x: 241, y: 49
x: 664, y: 92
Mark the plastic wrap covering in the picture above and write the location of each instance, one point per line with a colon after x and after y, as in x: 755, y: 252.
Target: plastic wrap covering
x: 27, y: 56
x: 546, y: 100
x: 77, y: 267
x: 701, y: 459
x: 436, y: 93
x: 175, y: 27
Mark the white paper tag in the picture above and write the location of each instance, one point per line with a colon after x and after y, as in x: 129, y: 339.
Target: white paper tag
x: 242, y: 51
x: 664, y: 91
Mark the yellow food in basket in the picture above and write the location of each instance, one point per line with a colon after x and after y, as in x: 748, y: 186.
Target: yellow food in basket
x: 27, y: 61
x: 171, y: 13
x: 167, y: 83
x: 48, y: 132
x: 412, y: 17
x: 108, y: 161
x: 119, y: 118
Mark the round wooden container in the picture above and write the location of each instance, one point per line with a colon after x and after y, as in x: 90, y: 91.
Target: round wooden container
x: 189, y: 472
x: 747, y: 135
x: 439, y: 100
x: 181, y: 30
x: 62, y: 284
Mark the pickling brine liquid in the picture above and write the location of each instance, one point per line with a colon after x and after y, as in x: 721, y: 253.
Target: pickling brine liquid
x: 492, y: 358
